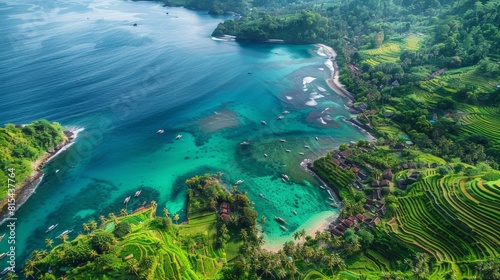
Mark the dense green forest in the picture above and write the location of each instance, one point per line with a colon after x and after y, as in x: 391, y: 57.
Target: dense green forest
x: 22, y: 145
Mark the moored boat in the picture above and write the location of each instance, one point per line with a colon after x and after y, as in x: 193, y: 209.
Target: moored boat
x: 65, y: 232
x: 126, y: 199
x: 263, y: 122
x: 283, y: 179
x: 239, y: 182
x: 261, y: 195
x: 334, y: 205
x: 7, y: 269
x: 137, y: 193
x: 281, y: 117
x: 294, y: 212
x: 322, y: 187
x: 244, y: 143
x: 2, y: 255
x: 52, y: 227
x: 178, y: 137
x: 307, y: 147
x: 160, y: 131
x: 279, y: 219
x: 265, y: 155
x: 301, y: 154
x: 316, y: 138
x: 288, y: 151
x: 285, y: 176
x: 1, y: 237
x: 283, y: 228
x: 286, y: 112
x: 282, y: 140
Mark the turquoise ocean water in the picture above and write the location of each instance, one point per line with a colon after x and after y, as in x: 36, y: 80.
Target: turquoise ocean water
x: 83, y: 63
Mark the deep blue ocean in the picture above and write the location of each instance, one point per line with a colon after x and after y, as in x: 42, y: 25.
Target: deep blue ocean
x: 83, y: 63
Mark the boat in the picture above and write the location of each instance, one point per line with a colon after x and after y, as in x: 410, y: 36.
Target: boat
x: 7, y: 269
x: 288, y: 151
x: 281, y: 117
x: 57, y: 170
x: 283, y: 228
x: 178, y: 137
x: 244, y: 143
x: 238, y: 182
x: 2, y: 255
x: 322, y: 187
x: 265, y: 155
x: 286, y: 112
x: 52, y: 227
x: 160, y: 131
x: 66, y: 232
x: 261, y: 195
x: 333, y: 205
x: 137, y: 193
x: 279, y: 219
x: 301, y: 154
x: 316, y: 138
x: 283, y: 179
x: 126, y: 199
x: 285, y: 176
x: 294, y: 212
x: 1, y: 237
x: 282, y: 140
x: 307, y: 147
x: 135, y: 24
x: 263, y: 122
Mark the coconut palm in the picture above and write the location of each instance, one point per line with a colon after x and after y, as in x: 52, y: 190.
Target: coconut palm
x: 176, y: 218
x: 11, y: 276
x: 165, y: 212
x: 153, y: 208
x: 133, y: 266
x: 112, y: 216
x: 93, y: 225
x: 64, y: 237
x: 102, y: 219
x: 86, y: 227
x: 49, y: 242
x: 123, y: 212
x: 93, y: 253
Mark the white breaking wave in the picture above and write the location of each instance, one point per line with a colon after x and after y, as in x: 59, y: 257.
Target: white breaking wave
x: 307, y: 80
x: 321, y: 69
x: 321, y: 52
x: 321, y: 89
x: 322, y: 121
x: 325, y: 110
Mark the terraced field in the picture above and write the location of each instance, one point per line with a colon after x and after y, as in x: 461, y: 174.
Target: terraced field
x: 390, y: 50
x: 454, y: 218
x: 482, y: 120
x: 465, y: 76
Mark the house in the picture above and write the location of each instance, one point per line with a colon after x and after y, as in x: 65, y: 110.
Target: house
x: 225, y: 217
x: 360, y: 217
x: 336, y: 161
x: 354, y: 169
x: 376, y: 194
x: 376, y: 221
x: 387, y: 174
x: 384, y: 183
x: 346, y: 153
x: 388, y: 114
x: 414, y: 175
x: 358, y: 185
x: 382, y: 211
x: 369, y: 201
x: 367, y: 207
x: 402, y: 184
x: 399, y: 146
x: 336, y: 232
x: 375, y: 184
x: 353, y: 219
x: 340, y: 228
x: 362, y: 176
x: 347, y: 223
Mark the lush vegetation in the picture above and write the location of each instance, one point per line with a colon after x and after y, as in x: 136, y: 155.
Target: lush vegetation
x: 20, y: 146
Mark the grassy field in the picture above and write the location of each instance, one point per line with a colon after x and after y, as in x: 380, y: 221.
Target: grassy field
x: 390, y: 50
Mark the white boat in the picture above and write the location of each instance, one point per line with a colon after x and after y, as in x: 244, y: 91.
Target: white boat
x: 52, y: 227
x: 137, y: 193
x: 244, y: 143
x: 65, y: 232
x: 265, y: 155
x: 285, y: 176
x: 7, y: 269
x: 286, y: 112
x: 126, y: 199
x: 178, y: 137
x: 283, y: 228
x: 263, y: 122
x: 279, y: 219
x: 307, y: 147
x: 301, y: 154
x: 282, y: 140
x: 294, y: 212
x: 160, y: 131
x: 3, y: 255
x: 239, y: 182
x: 334, y: 205
x: 283, y: 179
x: 288, y: 151
x: 1, y: 237
x: 57, y: 170
x: 261, y: 195
x: 316, y: 138
x: 322, y: 187
x: 281, y: 117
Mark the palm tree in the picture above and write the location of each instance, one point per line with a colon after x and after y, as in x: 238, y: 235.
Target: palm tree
x: 11, y: 276
x: 153, y: 206
x: 86, y: 227
x: 93, y: 225
x: 93, y: 253
x: 243, y: 234
x: 112, y: 216
x: 176, y: 218
x: 165, y: 212
x: 133, y: 266
x: 123, y: 212
x: 49, y: 242
x: 64, y: 237
x: 296, y: 235
x: 102, y: 219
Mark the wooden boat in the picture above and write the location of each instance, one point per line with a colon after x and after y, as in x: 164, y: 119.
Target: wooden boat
x: 263, y: 122
x: 178, y: 137
x: 126, y: 199
x: 279, y: 219
x: 239, y: 182
x: 283, y: 228
x: 137, y: 193
x: 282, y: 140
x: 1, y: 237
x: 52, y: 227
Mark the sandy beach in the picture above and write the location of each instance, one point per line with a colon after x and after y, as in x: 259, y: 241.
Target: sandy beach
x: 24, y: 191
x: 333, y: 82
x: 318, y: 222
